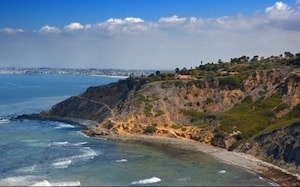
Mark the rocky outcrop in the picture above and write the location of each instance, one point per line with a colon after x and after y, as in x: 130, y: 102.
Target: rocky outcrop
x: 281, y: 147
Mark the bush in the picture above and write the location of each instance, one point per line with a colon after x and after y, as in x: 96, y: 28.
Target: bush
x: 281, y: 107
x: 231, y: 81
x: 247, y: 99
x: 159, y: 113
x: 150, y: 129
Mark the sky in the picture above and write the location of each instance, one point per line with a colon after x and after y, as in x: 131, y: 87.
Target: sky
x: 143, y: 34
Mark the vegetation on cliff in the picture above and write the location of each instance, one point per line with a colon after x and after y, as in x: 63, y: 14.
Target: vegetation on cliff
x: 227, y: 104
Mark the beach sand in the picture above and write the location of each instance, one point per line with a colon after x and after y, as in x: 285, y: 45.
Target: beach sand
x: 276, y: 174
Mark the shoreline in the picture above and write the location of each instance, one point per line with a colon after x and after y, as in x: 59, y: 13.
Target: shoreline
x: 275, y: 174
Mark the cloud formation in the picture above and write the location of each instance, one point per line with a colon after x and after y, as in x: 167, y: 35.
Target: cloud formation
x: 11, y: 30
x: 74, y: 26
x: 49, y: 29
x: 169, y: 42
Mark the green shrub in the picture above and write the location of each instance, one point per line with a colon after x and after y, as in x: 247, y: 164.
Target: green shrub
x: 159, y: 113
x: 148, y: 110
x: 175, y: 126
x: 247, y: 99
x: 231, y: 81
x: 281, y: 107
x: 150, y: 129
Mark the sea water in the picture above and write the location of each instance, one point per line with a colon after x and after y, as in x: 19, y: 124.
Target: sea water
x: 45, y: 153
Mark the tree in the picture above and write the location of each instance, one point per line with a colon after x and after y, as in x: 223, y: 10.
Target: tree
x: 288, y: 54
x: 177, y: 70
x: 157, y: 73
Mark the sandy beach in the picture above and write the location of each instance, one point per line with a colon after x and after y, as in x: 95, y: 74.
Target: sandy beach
x: 276, y: 174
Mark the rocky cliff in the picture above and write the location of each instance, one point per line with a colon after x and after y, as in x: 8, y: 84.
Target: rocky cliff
x: 205, y: 110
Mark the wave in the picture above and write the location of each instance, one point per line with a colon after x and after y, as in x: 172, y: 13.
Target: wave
x: 64, y: 125
x: 88, y: 153
x: 222, y: 171
x: 62, y: 163
x: 47, y: 183
x: 24, y: 180
x: 66, y: 144
x: 147, y: 181
x: 122, y: 160
x: 79, y: 143
x: 4, y: 121
x: 29, y: 169
x: 58, y: 144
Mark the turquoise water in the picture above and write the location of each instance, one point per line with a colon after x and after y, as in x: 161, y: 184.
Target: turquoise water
x: 55, y: 153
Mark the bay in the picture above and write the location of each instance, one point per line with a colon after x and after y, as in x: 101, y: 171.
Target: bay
x: 58, y: 154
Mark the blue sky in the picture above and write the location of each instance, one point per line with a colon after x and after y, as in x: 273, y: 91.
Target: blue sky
x: 138, y: 34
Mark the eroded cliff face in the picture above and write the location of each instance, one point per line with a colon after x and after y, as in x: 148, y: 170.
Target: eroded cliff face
x: 169, y: 108
x: 281, y: 147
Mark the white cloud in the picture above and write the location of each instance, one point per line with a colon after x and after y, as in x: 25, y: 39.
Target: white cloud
x: 168, y: 42
x: 49, y: 29
x: 278, y: 11
x: 134, y: 20
x: 127, y: 25
x: 173, y: 19
x: 11, y: 31
x: 74, y: 26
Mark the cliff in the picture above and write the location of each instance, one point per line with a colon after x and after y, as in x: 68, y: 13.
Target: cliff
x: 244, y: 111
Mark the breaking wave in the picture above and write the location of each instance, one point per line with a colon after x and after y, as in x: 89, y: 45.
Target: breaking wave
x: 4, y: 120
x: 62, y: 163
x: 64, y: 125
x: 122, y: 160
x: 66, y: 144
x: 87, y: 154
x: 147, y: 181
x: 47, y: 183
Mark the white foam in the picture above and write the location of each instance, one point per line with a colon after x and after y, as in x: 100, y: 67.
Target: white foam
x: 64, y: 125
x: 58, y: 144
x: 122, y: 160
x: 47, y: 183
x: 79, y: 143
x: 222, y: 171
x: 88, y: 153
x: 24, y: 180
x: 62, y: 163
x: 42, y: 183
x: 147, y: 181
x: 4, y: 121
x: 184, y: 179
x: 68, y: 183
x: 28, y: 169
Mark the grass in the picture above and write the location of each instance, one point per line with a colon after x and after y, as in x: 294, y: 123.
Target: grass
x: 253, y: 118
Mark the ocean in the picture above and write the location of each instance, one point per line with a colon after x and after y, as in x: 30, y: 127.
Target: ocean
x: 43, y: 153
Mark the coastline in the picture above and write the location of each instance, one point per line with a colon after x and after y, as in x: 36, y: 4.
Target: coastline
x: 275, y: 174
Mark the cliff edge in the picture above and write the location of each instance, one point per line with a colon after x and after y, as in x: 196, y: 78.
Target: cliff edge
x: 256, y: 111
